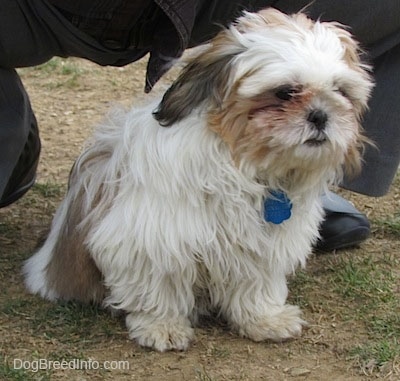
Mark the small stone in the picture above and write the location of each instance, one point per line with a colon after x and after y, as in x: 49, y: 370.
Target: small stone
x: 297, y: 372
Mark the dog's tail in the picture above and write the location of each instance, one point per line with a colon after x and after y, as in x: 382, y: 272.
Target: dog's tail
x: 35, y: 268
x: 63, y: 268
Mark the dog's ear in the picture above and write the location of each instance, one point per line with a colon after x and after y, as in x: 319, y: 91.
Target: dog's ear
x: 202, y: 79
x: 207, y: 77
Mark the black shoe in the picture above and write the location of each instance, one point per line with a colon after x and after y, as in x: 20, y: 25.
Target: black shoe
x: 344, y: 226
x: 24, y: 173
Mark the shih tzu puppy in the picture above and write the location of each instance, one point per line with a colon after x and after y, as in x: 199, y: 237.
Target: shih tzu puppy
x: 204, y: 201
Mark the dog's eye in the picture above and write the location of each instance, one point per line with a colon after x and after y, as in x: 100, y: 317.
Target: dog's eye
x: 341, y: 91
x: 285, y: 93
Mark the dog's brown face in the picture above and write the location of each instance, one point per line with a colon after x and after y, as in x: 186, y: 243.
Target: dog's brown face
x: 282, y: 91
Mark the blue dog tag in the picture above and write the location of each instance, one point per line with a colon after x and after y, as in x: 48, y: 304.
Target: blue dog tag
x: 277, y: 207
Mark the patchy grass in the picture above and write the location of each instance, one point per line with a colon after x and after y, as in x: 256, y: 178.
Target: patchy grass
x: 390, y: 225
x: 83, y: 324
x: 343, y: 290
x: 49, y: 190
x: 350, y: 298
x: 360, y: 290
x: 68, y: 73
x: 371, y: 287
x: 10, y: 373
x: 60, y: 66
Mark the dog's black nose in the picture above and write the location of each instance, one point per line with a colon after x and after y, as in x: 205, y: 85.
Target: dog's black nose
x: 318, y: 118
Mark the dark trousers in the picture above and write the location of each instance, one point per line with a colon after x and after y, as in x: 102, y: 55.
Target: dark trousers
x: 31, y: 32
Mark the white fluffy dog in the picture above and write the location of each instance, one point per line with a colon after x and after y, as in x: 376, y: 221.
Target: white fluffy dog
x: 207, y: 199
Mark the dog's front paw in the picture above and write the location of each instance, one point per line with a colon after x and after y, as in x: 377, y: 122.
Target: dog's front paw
x: 285, y: 323
x: 162, y: 335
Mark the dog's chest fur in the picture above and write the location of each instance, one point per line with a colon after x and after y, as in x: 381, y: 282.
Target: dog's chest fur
x: 187, y: 207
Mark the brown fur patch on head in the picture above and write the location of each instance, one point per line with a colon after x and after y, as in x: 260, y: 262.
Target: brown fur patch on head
x: 254, y: 125
x: 206, y: 78
x: 272, y: 18
x: 249, y: 125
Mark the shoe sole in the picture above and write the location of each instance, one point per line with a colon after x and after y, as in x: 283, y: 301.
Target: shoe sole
x: 344, y: 241
x: 17, y: 194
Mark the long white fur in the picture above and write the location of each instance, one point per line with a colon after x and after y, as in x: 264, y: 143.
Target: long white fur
x: 180, y: 201
x: 179, y: 228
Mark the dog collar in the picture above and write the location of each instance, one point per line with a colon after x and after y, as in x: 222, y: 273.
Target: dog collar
x: 277, y: 207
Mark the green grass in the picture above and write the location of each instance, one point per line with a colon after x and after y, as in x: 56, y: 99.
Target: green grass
x: 362, y: 290
x: 66, y: 322
x: 41, y: 200
x: 375, y: 354
x: 75, y: 322
x: 300, y: 286
x: 364, y: 281
x: 389, y: 225
x: 68, y: 71
x: 48, y: 189
x: 220, y: 352
x: 358, y: 289
x: 370, y: 287
x: 6, y: 230
x: 9, y: 373
x: 15, y: 306
x: 59, y: 65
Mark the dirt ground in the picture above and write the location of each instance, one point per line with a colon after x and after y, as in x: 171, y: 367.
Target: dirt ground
x: 69, y: 98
